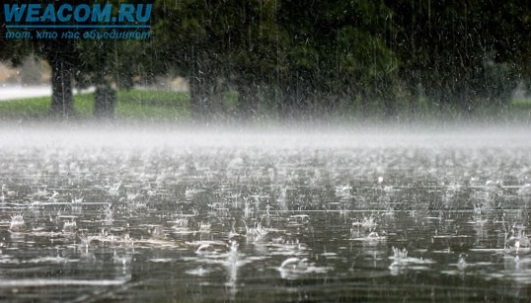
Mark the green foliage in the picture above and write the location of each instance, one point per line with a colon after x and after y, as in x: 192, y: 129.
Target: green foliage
x: 363, y: 59
x: 391, y: 58
x: 459, y: 51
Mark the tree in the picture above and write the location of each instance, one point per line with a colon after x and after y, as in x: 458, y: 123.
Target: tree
x: 84, y: 61
x: 338, y: 51
x: 186, y: 49
x: 460, y: 51
x: 62, y: 56
x: 110, y: 64
x: 257, y: 54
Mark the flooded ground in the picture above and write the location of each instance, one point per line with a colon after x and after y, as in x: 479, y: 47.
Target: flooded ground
x: 166, y: 216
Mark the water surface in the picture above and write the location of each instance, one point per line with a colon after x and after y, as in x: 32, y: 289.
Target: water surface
x: 177, y: 216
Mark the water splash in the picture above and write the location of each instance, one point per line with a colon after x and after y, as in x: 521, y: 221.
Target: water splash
x: 461, y: 263
x: 402, y: 261
x: 517, y: 242
x: 399, y: 254
x: 366, y: 230
x: 256, y: 234
x: 210, y: 248
x: 70, y: 226
x: 295, y: 268
x: 232, y: 265
x: 17, y: 223
x: 3, y: 193
x: 108, y: 215
x: 298, y: 220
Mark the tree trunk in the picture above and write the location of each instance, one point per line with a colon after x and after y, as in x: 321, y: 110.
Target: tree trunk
x: 247, y: 100
x: 198, y: 98
x: 105, y: 101
x: 62, y: 96
x: 216, y: 99
x: 287, y: 103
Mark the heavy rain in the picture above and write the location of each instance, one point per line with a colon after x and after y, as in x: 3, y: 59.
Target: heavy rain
x: 265, y: 151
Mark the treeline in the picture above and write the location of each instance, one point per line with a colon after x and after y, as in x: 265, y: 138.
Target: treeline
x: 307, y: 58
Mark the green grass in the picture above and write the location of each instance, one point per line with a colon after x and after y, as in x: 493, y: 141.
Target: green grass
x: 133, y: 104
x: 161, y: 105
x: 522, y: 103
x: 152, y: 105
x: 25, y: 108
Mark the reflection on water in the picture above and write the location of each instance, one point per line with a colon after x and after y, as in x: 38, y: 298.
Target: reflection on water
x: 244, y: 222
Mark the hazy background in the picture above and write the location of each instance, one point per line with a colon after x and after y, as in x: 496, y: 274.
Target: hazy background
x: 285, y: 60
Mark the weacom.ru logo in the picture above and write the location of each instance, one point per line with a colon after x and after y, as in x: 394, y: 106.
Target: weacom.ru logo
x: 40, y: 20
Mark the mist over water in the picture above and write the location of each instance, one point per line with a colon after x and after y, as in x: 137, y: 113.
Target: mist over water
x: 275, y: 136
x: 155, y: 213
